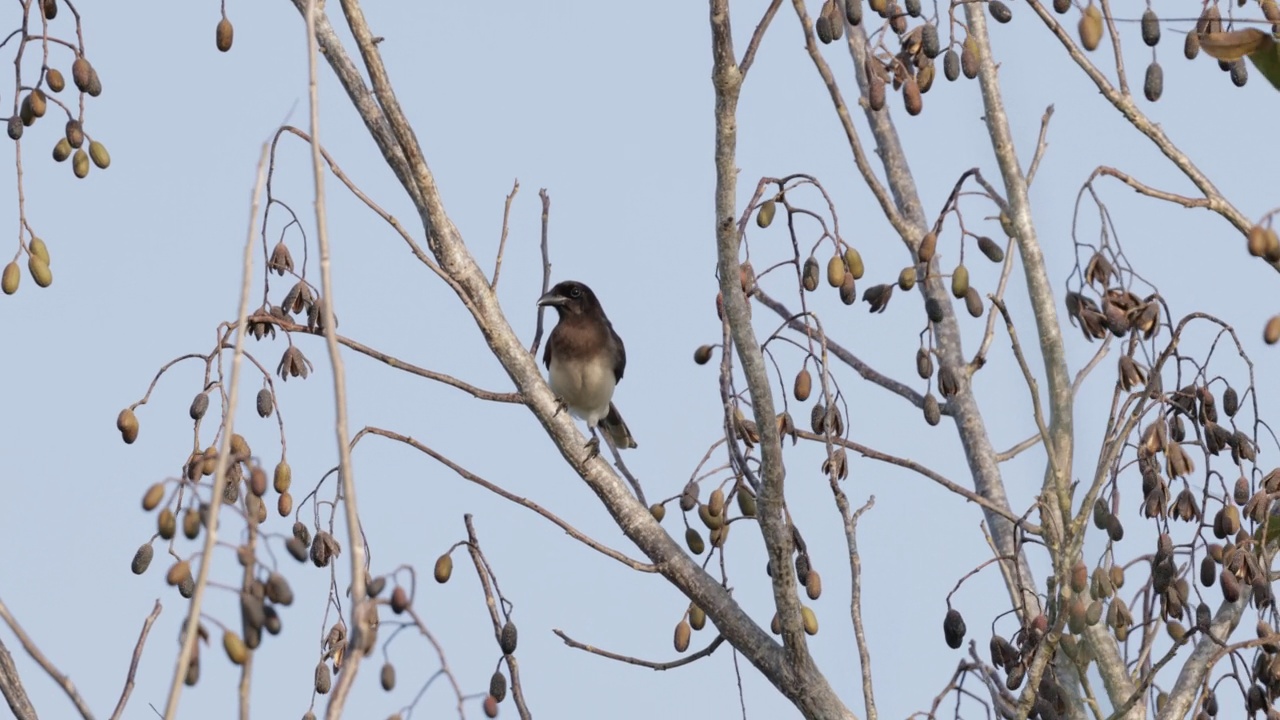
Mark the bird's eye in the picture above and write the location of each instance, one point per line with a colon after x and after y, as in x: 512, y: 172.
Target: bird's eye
x: 575, y: 292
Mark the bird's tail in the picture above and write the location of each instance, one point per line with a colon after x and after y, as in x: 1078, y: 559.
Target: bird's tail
x: 617, y: 429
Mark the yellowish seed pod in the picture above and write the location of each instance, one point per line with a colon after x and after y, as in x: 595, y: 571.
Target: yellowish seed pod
x: 10, y: 279
x: 835, y: 271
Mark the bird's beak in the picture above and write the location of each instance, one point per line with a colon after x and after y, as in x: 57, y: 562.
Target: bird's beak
x: 552, y: 299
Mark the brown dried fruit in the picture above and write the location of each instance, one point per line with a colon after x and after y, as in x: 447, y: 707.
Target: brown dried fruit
x: 683, y: 632
x: 1153, y: 85
x: 399, y: 600
x: 953, y: 628
x: 928, y: 245
x: 166, y: 524
x: 388, y: 677
x: 152, y: 497
x: 803, y: 385
x: 694, y: 540
x: 507, y: 638
x: 809, y: 276
x: 142, y: 559
x: 323, y: 679
x: 224, y: 35
x: 809, y: 620
x: 764, y: 217
x: 973, y: 303
x: 498, y: 686
x: 999, y: 11
x: 932, y: 413
x: 283, y: 477
x: 444, y: 568
x: 969, y: 58
x: 702, y: 355
x: 127, y: 424
x: 265, y: 403
x: 1091, y: 27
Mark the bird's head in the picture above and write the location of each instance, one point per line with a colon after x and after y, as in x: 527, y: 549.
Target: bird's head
x: 570, y: 298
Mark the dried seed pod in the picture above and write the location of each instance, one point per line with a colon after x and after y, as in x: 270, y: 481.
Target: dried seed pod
x: 80, y: 164
x: 702, y: 355
x: 853, y: 262
x: 61, y: 150
x: 969, y: 58
x: 813, y: 585
x: 948, y: 383
x: 809, y: 276
x: 973, y: 303
x: 1191, y: 46
x: 127, y: 424
x: 1153, y: 85
x: 265, y: 403
x: 224, y: 35
x: 283, y: 477
x: 875, y: 92
x: 142, y: 559
x: 658, y: 511
x: 388, y: 677
x: 297, y: 548
x: 399, y: 600
x: 1090, y: 27
x: 927, y: 247
x: 1259, y: 244
x: 1271, y: 333
x: 929, y: 40
x: 924, y: 363
x: 803, y: 385
x: 999, y: 11
x: 191, y: 524
x: 199, y: 405
x: 1115, y: 530
x: 498, y: 686
x: 913, y: 7
x: 853, y: 11
x: 74, y: 133
x: 951, y: 65
x: 10, y: 279
x: 323, y: 679
x: 443, y: 568
x: 178, y: 573
x: 953, y: 628
x: 897, y: 19
x: 152, y: 497
x: 235, y: 647
x: 1150, y: 28
x: 836, y: 271
x: 848, y: 293
x: 693, y: 539
x: 911, y: 100
x: 689, y: 496
x: 507, y: 638
x: 682, y: 634
x: 166, y: 524
x: 764, y: 216
x: 932, y: 413
x: 1239, y: 73
x: 809, y: 620
x: 877, y: 296
x: 1230, y: 586
x: 98, y: 153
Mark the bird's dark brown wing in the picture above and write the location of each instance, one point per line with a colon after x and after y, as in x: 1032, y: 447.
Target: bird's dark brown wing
x: 546, y: 351
x: 620, y: 357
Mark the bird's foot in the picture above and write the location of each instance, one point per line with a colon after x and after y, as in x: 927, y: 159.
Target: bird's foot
x: 561, y: 405
x: 593, y: 448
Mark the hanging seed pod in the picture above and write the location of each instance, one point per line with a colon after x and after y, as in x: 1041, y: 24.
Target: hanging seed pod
x: 953, y: 629
x: 835, y: 271
x: 854, y: 12
x: 925, y: 75
x: 929, y: 40
x: 933, y: 309
x: 443, y: 568
x: 693, y: 539
x: 809, y: 276
x: 142, y: 559
x: 960, y: 282
x: 765, y: 215
x: 224, y: 35
x: 913, y: 8
x: 1153, y: 85
x: 1239, y: 73
x: 1230, y: 402
x: 1270, y: 333
x: 658, y: 511
x: 697, y: 617
x: 683, y: 631
x: 973, y: 303
x: 809, y: 619
x: 991, y: 249
x: 875, y: 92
x: 924, y: 363
x: 927, y: 247
x: 932, y: 413
x: 969, y: 58
x: 1150, y: 28
x: 853, y: 262
x: 897, y: 19
x: 848, y: 293
x: 507, y: 638
x: 999, y: 11
x: 951, y: 65
x: 911, y: 99
x: 1091, y: 27
x: 199, y: 405
x: 907, y: 278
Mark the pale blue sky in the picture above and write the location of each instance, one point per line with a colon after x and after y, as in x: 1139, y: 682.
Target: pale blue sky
x: 608, y: 106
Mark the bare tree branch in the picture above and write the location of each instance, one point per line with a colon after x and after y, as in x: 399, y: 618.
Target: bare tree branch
x: 137, y: 658
x: 18, y: 700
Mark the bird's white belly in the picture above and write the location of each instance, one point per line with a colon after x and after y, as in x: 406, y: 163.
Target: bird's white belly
x: 587, y: 387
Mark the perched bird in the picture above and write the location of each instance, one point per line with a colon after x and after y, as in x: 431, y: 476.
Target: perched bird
x: 585, y: 359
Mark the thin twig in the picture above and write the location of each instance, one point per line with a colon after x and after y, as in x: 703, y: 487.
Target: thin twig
x: 483, y: 571
x: 855, y: 607
x: 29, y: 645
x: 137, y: 658
x: 502, y: 242
x: 546, y: 266
x: 1032, y: 385
x: 220, y: 470
x: 497, y: 490
x: 651, y: 664
x: 1041, y: 145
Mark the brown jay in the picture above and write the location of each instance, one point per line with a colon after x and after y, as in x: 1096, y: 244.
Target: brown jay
x: 585, y: 359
